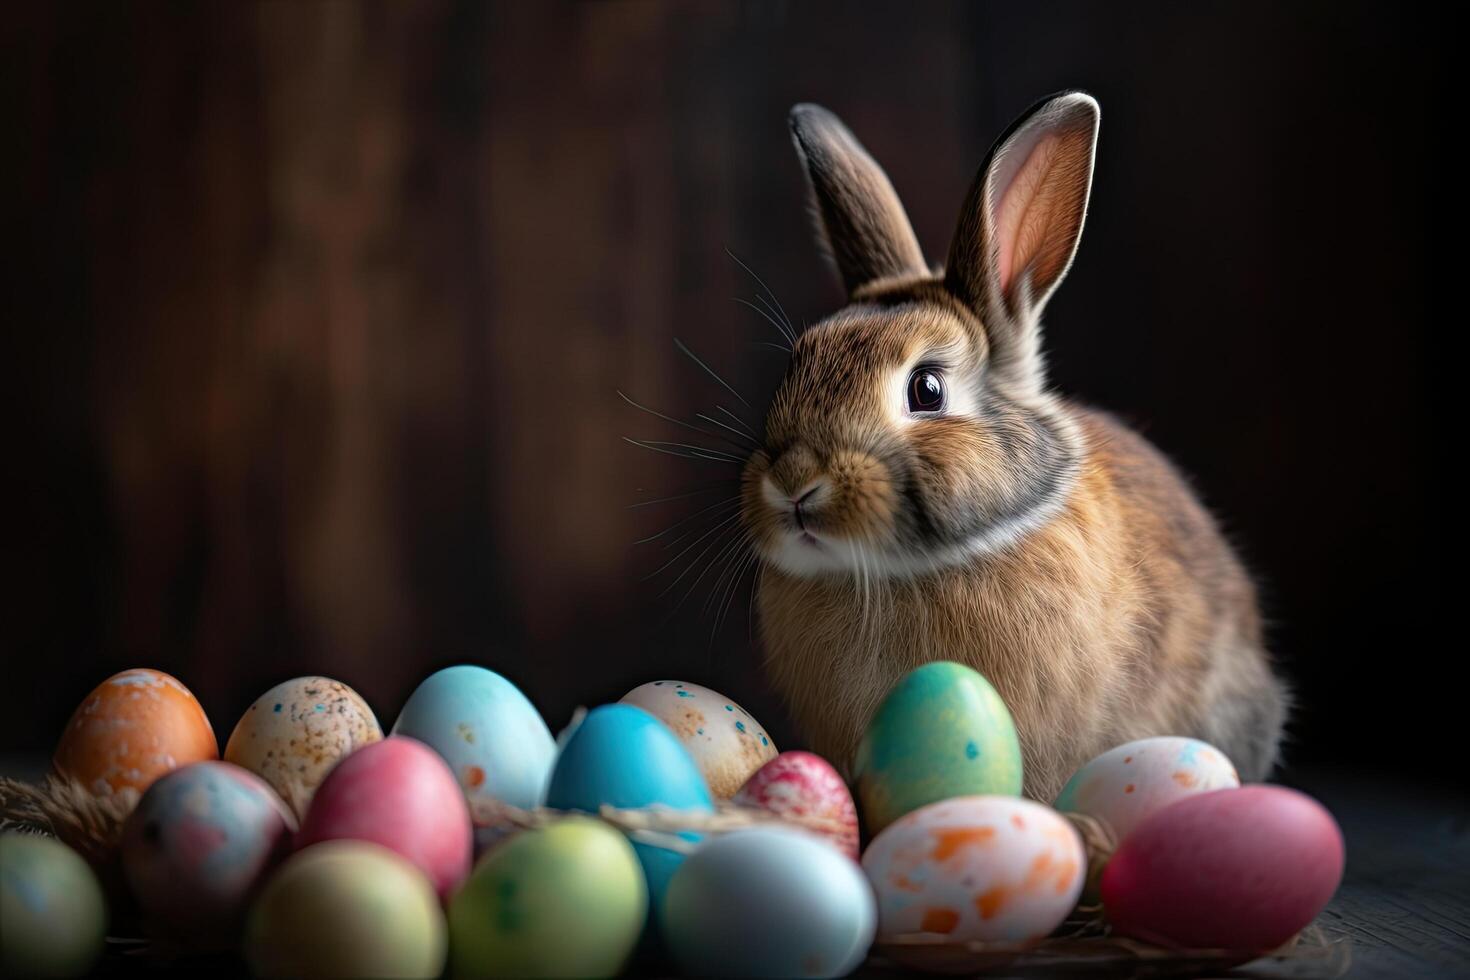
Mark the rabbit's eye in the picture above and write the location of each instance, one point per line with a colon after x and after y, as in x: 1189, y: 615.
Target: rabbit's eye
x: 926, y: 391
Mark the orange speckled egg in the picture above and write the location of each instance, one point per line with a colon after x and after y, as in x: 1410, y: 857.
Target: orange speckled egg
x: 136, y: 726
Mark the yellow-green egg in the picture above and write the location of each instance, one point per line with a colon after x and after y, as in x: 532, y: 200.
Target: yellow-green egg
x: 53, y: 919
x: 346, y: 908
x: 565, y: 900
x: 942, y: 732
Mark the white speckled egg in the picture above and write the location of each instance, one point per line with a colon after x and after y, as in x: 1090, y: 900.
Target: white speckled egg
x: 1125, y: 785
x: 976, y: 869
x: 727, y: 744
x: 297, y: 731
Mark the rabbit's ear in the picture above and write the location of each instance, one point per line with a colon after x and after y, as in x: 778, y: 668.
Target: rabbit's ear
x: 862, y: 221
x: 1023, y: 217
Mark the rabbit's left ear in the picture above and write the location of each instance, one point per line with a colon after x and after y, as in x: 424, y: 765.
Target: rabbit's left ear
x: 862, y: 222
x: 1023, y: 217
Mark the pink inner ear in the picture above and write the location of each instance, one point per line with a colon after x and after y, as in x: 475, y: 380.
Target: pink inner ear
x: 1021, y: 214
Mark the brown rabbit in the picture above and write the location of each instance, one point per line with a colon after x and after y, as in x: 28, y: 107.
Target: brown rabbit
x: 922, y: 495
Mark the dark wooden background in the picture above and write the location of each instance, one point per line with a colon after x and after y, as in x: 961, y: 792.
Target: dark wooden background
x: 316, y: 313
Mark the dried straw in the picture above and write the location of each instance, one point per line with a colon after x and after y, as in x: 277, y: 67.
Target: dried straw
x: 67, y: 810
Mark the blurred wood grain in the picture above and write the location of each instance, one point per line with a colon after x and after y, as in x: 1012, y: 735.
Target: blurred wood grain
x: 323, y: 309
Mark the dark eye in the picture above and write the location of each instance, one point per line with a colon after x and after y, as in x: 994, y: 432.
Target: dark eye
x: 926, y: 391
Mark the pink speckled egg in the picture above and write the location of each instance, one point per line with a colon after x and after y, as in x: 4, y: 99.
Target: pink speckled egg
x: 1125, y: 785
x: 976, y: 869
x: 1238, y: 869
x: 801, y: 786
x: 200, y: 840
x: 401, y: 794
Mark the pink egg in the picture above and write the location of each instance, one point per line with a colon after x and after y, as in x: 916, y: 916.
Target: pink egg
x: 200, y: 841
x: 798, y: 785
x: 1239, y: 869
x: 398, y: 793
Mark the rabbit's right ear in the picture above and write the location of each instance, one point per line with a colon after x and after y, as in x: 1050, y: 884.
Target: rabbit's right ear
x: 863, y: 224
x: 1022, y: 221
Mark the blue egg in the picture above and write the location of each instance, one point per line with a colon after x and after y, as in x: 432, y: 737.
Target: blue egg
x: 623, y: 756
x: 494, y: 740
x: 769, y: 902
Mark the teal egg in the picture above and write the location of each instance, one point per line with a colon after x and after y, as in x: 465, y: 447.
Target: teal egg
x: 942, y: 732
x: 53, y: 920
x: 493, y: 738
x: 623, y: 756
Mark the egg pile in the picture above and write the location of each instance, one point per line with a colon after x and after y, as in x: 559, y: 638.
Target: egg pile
x: 320, y: 846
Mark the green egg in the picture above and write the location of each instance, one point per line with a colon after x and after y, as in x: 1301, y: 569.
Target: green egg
x: 565, y: 900
x: 53, y: 920
x: 942, y: 732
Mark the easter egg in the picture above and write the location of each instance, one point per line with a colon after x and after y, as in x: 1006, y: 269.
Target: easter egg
x: 624, y: 757
x: 804, y: 788
x: 727, y: 744
x: 297, y: 731
x: 346, y: 909
x: 201, y: 839
x: 134, y: 727
x: 768, y: 902
x: 565, y: 900
x: 942, y: 732
x: 398, y: 793
x: 53, y: 920
x: 493, y: 739
x: 1126, y: 784
x: 995, y: 869
x: 1238, y: 869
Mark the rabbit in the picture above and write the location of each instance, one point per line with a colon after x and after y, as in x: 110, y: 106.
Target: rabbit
x: 922, y: 495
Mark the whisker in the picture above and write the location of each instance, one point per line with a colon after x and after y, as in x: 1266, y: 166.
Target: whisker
x: 694, y: 447
x: 685, y: 520
x: 780, y: 347
x: 693, y: 357
x: 679, y: 422
x: 769, y: 318
x: 728, y: 556
x: 701, y: 452
x: 719, y: 541
x: 792, y: 334
x: 767, y: 304
x: 749, y: 560
x: 751, y: 439
x: 722, y: 485
x: 731, y: 543
x: 691, y: 544
x: 738, y: 419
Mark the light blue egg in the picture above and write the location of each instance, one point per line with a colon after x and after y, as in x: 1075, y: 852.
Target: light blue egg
x: 623, y: 756
x: 494, y: 740
x: 769, y: 902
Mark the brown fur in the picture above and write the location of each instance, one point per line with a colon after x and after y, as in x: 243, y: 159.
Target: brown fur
x: 1108, y: 607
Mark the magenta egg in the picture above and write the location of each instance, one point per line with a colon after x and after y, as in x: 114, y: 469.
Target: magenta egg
x: 398, y: 793
x: 197, y: 845
x: 801, y: 786
x: 1237, y: 869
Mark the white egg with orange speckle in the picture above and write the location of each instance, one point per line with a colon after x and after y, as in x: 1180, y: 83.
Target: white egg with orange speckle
x: 728, y: 744
x: 1125, y: 785
x: 994, y: 869
x: 297, y: 731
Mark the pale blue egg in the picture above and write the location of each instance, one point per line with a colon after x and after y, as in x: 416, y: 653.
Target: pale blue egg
x: 769, y: 902
x: 495, y: 742
x: 622, y: 756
